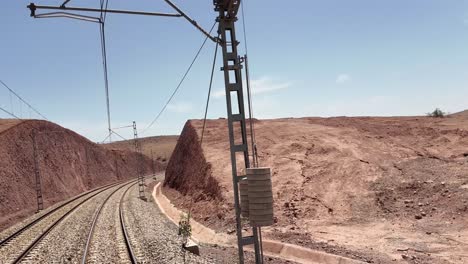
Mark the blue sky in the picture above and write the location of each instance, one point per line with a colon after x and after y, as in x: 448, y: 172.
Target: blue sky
x: 307, y: 58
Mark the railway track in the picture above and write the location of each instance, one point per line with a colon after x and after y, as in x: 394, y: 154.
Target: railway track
x: 15, y: 233
x: 16, y: 246
x: 126, y: 241
x: 124, y: 229
x: 108, y: 225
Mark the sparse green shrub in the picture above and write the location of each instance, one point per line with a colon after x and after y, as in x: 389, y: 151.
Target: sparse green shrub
x: 185, y: 229
x: 437, y: 113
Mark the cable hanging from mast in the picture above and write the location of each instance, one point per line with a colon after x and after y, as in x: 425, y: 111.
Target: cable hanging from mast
x: 209, y: 93
x: 104, y: 4
x: 180, y: 82
x: 249, y: 93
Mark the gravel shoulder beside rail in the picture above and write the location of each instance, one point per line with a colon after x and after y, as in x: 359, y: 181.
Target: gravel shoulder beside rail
x: 153, y: 237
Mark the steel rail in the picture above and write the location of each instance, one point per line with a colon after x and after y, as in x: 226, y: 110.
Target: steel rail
x: 93, y: 224
x: 36, y: 241
x: 32, y: 223
x: 124, y: 229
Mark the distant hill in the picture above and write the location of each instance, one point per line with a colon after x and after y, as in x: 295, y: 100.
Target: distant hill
x: 461, y: 114
x: 6, y: 124
x: 161, y: 147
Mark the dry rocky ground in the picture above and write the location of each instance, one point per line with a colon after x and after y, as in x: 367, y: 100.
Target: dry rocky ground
x: 377, y: 189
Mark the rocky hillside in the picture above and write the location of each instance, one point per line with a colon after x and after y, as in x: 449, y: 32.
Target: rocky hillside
x: 69, y: 164
x: 364, y: 187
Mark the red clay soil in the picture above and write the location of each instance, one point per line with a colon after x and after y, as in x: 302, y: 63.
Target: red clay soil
x: 378, y: 189
x: 189, y: 173
x: 69, y: 164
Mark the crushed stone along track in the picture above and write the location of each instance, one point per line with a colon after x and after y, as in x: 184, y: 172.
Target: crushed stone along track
x: 25, y: 242
x: 109, y: 225
x: 152, y: 236
x: 17, y: 229
x: 106, y: 242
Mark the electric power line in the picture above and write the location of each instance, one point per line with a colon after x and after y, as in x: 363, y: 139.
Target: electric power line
x: 22, y: 100
x: 243, y: 26
x: 209, y: 93
x: 113, y: 132
x: 104, y: 63
x: 180, y: 83
x: 13, y: 115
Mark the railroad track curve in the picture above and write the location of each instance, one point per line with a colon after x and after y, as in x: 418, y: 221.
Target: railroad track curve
x: 123, y: 229
x: 16, y: 246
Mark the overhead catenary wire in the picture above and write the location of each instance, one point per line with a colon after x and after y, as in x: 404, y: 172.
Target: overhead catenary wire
x: 209, y: 93
x: 180, y: 83
x: 206, y: 111
x: 69, y: 15
x: 249, y: 93
x: 22, y: 100
x: 104, y: 4
x: 113, y: 132
x: 115, y: 128
x: 104, y: 9
x: 101, y: 21
x: 193, y: 22
x: 8, y: 112
x: 11, y: 103
x: 104, y: 140
x: 243, y: 26
x: 249, y: 98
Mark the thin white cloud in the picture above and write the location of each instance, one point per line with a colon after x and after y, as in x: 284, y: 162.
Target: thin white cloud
x: 180, y: 107
x: 260, y: 86
x: 342, y: 78
x: 218, y: 93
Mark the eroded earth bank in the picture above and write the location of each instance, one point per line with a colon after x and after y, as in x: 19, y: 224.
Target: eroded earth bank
x: 377, y: 189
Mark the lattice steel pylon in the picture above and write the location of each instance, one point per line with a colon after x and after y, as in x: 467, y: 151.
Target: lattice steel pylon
x: 227, y: 17
x: 40, y: 202
x: 141, y: 179
x: 152, y: 164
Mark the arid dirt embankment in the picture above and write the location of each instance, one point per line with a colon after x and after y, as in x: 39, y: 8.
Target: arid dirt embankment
x: 381, y: 189
x: 68, y: 163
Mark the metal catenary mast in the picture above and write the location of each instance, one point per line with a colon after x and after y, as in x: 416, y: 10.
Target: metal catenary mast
x: 227, y: 17
x: 141, y: 179
x: 40, y: 202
